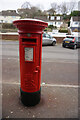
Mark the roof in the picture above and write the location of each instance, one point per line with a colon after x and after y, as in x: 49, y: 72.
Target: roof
x: 43, y: 18
x: 51, y: 11
x: 9, y: 13
x: 76, y: 18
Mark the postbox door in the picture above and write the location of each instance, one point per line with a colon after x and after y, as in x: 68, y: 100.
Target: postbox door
x: 30, y: 67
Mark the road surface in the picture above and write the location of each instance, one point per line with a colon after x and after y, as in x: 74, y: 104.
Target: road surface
x: 59, y: 81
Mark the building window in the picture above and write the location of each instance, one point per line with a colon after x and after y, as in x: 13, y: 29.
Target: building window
x: 76, y: 23
x: 54, y: 23
x: 4, y: 16
x: 52, y: 17
x: 51, y: 23
x: 48, y: 16
x: 58, y: 17
x: 13, y: 16
x: 11, y: 21
x: 1, y: 21
x: 5, y: 21
x: 59, y: 23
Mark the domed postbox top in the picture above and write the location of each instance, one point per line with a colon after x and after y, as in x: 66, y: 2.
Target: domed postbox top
x: 30, y: 25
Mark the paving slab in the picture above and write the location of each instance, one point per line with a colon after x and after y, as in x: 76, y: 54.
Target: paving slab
x: 56, y: 102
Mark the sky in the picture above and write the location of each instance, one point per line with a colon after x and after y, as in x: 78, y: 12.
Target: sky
x: 43, y: 4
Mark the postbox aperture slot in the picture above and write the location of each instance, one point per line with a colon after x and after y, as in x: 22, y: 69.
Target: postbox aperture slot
x: 29, y: 40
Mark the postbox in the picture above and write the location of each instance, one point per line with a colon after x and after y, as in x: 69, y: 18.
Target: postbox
x: 30, y: 50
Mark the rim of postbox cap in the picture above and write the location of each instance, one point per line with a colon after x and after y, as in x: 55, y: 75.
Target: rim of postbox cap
x: 30, y: 19
x: 29, y: 23
x: 27, y: 20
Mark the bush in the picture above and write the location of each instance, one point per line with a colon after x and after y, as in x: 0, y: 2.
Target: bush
x: 47, y: 29
x: 8, y: 26
x: 51, y: 27
x: 75, y: 13
x: 8, y: 30
x: 63, y: 31
x: 75, y: 30
x: 3, y: 31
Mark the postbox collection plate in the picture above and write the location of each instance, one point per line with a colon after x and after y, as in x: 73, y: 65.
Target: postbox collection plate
x: 28, y: 53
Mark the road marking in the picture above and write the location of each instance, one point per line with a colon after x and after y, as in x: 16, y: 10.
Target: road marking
x: 45, y: 85
x: 63, y: 61
x: 43, y: 60
x: 58, y: 85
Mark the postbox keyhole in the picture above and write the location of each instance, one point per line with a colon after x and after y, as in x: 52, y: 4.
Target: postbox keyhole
x: 37, y: 68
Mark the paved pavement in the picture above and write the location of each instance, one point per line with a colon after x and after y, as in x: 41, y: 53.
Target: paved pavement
x: 59, y: 83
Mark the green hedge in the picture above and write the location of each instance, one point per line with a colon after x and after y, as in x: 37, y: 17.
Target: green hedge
x: 8, y: 26
x: 8, y: 30
x: 51, y: 26
x: 63, y: 31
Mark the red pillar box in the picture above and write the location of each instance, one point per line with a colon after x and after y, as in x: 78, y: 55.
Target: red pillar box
x: 30, y: 49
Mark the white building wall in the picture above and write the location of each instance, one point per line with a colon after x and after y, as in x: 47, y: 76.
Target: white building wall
x: 54, y: 24
x: 71, y: 22
x: 8, y: 19
x: 57, y: 24
x: 74, y: 23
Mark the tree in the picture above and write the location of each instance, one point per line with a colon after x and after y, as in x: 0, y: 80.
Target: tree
x: 51, y: 11
x: 26, y: 5
x: 79, y: 5
x: 29, y: 11
x: 54, y: 6
x: 72, y: 5
x: 24, y: 12
x: 67, y: 7
x: 75, y: 13
x: 35, y: 12
x: 64, y: 8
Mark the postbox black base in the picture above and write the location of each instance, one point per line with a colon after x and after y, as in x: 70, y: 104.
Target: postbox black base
x: 30, y: 99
